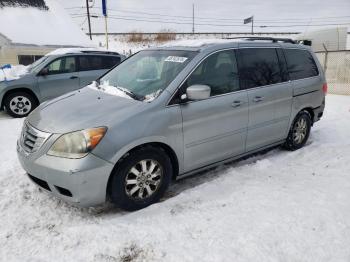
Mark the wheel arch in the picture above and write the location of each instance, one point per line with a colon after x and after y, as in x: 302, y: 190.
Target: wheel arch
x: 163, y: 146
x: 20, y: 89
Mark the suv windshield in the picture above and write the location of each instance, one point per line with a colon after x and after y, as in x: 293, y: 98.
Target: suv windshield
x: 146, y: 74
x: 33, y: 66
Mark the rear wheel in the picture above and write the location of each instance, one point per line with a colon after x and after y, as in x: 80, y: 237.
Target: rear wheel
x: 299, y: 131
x: 141, y: 178
x: 19, y: 104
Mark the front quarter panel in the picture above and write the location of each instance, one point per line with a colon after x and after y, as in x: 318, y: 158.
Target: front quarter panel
x: 26, y: 82
x: 155, y: 124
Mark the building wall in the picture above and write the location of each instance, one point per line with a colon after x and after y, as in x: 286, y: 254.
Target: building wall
x: 9, y: 53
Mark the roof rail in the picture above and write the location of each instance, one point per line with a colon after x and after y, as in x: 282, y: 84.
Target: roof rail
x: 272, y: 39
x: 99, y: 52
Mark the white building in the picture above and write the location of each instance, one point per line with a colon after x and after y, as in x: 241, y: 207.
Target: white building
x: 30, y: 29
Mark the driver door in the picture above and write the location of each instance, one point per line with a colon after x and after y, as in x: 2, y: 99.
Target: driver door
x: 61, y: 77
x: 215, y: 129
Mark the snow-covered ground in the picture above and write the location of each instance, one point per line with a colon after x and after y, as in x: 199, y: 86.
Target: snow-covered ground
x: 277, y: 206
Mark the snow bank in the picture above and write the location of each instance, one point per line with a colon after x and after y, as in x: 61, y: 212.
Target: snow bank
x: 279, y: 206
x: 12, y: 73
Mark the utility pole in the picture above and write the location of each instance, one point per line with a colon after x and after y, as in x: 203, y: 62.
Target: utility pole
x: 192, y: 18
x: 104, y: 12
x: 252, y: 25
x: 88, y: 17
x: 106, y: 32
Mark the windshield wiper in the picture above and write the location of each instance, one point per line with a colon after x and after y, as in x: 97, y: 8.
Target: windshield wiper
x: 131, y: 94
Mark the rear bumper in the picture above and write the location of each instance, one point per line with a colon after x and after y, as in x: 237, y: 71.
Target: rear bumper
x: 318, y: 112
x: 82, y: 182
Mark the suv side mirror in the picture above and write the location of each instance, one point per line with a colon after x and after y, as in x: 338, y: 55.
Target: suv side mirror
x: 198, y: 92
x: 44, y: 71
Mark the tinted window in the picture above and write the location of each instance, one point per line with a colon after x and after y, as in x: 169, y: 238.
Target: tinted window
x: 219, y: 71
x: 62, y: 65
x: 259, y: 67
x: 110, y: 61
x: 300, y: 64
x: 87, y: 63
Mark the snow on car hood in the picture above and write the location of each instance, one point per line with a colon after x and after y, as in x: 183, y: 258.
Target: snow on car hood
x: 13, y: 73
x: 108, y: 89
x: 83, y: 109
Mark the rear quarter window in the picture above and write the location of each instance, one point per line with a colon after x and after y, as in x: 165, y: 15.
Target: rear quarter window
x: 95, y: 62
x: 300, y: 64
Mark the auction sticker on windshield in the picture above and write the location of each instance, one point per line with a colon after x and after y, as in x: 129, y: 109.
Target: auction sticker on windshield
x: 176, y: 59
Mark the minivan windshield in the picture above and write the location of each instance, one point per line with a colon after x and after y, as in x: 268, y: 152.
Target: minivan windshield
x: 146, y: 74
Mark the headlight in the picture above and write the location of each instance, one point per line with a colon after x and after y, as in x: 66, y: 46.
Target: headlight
x: 77, y: 144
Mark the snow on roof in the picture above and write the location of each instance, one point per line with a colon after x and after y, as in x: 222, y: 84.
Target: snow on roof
x: 24, y: 3
x: 63, y: 51
x: 37, y: 26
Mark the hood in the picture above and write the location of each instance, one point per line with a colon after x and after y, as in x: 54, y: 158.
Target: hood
x: 85, y: 108
x: 13, y: 73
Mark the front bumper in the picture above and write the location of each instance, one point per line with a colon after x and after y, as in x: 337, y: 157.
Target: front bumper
x: 82, y: 182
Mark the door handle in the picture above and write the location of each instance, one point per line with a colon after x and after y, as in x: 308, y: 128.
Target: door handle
x: 236, y: 103
x: 73, y: 77
x: 258, y: 99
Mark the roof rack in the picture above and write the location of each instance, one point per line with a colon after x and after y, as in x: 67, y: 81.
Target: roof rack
x: 259, y: 38
x: 99, y: 52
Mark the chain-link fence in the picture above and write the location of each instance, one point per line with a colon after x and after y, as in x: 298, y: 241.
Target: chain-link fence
x: 336, y: 65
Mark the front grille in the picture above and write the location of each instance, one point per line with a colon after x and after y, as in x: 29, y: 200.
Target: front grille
x: 32, y: 139
x: 40, y: 182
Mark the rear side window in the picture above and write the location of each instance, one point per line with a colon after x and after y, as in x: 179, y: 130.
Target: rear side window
x: 87, y: 63
x: 300, y: 64
x: 259, y: 67
x: 110, y: 61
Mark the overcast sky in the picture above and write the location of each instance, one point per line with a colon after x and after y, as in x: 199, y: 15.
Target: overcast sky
x: 213, y: 16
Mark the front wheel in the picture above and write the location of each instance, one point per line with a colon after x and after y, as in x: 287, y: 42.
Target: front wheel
x: 299, y: 131
x: 19, y: 104
x: 141, y: 178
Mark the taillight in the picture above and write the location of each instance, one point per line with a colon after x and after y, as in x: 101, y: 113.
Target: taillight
x: 325, y: 88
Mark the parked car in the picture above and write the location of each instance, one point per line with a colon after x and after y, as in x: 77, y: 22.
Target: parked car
x: 53, y: 75
x: 170, y: 112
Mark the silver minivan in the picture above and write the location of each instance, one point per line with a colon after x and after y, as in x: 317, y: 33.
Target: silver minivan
x: 169, y: 112
x: 59, y: 72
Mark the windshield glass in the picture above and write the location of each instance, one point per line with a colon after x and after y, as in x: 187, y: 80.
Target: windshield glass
x: 146, y: 74
x: 38, y: 62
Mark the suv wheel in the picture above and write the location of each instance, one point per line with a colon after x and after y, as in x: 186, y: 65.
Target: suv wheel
x: 299, y: 131
x: 141, y: 178
x: 19, y: 104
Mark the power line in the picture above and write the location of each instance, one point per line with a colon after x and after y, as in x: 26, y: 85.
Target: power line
x: 169, y: 20
x: 277, y: 20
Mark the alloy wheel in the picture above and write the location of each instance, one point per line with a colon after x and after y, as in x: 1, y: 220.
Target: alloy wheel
x: 143, y: 179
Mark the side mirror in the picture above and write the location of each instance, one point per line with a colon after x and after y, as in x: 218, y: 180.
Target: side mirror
x: 198, y: 92
x: 44, y: 71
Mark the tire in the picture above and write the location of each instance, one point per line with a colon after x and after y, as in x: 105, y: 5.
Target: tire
x: 136, y: 176
x: 299, y: 131
x: 20, y: 104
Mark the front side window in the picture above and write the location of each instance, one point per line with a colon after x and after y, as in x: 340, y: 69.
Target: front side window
x: 218, y: 71
x: 147, y: 73
x: 300, y: 64
x: 62, y: 66
x: 259, y: 67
